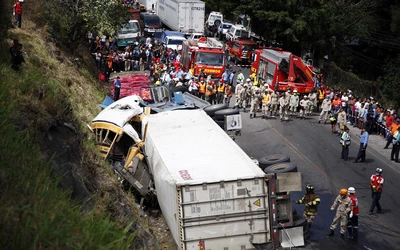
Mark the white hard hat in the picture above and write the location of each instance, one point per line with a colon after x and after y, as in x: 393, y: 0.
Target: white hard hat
x: 21, y: 1
x: 295, y: 91
x: 248, y: 80
x: 351, y: 190
x: 305, y: 96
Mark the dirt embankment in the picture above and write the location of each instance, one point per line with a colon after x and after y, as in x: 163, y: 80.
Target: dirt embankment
x: 57, y: 110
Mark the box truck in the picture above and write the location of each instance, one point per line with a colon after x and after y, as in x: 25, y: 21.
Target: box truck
x: 212, y: 194
x: 186, y: 16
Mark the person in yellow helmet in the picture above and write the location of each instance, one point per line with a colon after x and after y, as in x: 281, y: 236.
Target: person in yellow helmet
x: 344, y: 209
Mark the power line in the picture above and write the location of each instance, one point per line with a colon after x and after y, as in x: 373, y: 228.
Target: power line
x: 361, y: 59
x: 362, y: 55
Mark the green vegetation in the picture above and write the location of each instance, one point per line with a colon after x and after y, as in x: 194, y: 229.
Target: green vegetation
x: 36, y: 213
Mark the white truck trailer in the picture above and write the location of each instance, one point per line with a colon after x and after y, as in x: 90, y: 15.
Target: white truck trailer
x: 186, y: 16
x: 211, y: 193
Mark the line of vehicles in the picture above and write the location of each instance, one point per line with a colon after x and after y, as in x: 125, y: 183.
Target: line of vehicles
x: 280, y: 69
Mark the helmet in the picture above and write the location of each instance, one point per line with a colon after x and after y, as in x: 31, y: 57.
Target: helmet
x: 201, y: 78
x: 351, y: 190
x: 221, y: 80
x: 305, y: 96
x: 378, y: 171
x: 248, y: 80
x: 295, y: 91
x: 343, y: 191
x: 310, y: 187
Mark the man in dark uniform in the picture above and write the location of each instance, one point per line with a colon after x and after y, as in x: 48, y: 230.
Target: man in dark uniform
x: 310, y: 201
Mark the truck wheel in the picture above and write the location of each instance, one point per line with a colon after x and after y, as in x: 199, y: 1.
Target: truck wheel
x: 182, y: 89
x: 281, y: 168
x: 210, y: 110
x: 220, y: 114
x: 221, y: 124
x: 269, y: 160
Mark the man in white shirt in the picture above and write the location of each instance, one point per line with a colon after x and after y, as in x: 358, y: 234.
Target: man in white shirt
x: 357, y: 106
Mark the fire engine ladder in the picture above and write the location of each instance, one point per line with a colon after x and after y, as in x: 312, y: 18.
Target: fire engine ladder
x: 280, y: 210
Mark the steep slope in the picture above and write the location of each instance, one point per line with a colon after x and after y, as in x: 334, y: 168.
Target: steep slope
x: 55, y: 192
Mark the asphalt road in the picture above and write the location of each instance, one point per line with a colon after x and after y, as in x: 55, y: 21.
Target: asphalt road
x: 317, y: 154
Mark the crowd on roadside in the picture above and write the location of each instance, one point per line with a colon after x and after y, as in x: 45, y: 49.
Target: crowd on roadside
x: 143, y: 54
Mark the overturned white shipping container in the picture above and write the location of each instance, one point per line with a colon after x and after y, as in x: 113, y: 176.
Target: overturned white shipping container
x: 211, y: 193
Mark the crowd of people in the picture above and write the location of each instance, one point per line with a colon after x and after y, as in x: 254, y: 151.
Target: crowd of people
x: 143, y: 54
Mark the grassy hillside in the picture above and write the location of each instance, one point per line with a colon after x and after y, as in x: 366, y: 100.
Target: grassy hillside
x: 47, y: 157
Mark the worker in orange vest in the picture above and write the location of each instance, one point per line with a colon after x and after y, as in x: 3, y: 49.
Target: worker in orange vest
x: 202, y: 88
x: 221, y: 91
x: 18, y: 13
x: 211, y: 92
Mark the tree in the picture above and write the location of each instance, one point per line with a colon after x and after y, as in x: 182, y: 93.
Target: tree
x: 70, y: 20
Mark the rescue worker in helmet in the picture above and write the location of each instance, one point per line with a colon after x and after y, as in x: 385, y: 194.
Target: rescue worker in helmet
x: 202, y: 88
x: 310, y: 201
x: 238, y: 90
x: 274, y: 103
x: 255, y: 99
x: 294, y: 103
x: 376, y: 183
x: 343, y: 211
x: 352, y: 225
x: 284, y: 106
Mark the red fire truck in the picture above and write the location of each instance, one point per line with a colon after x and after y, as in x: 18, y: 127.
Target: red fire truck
x: 239, y: 50
x: 207, y: 54
x: 281, y: 70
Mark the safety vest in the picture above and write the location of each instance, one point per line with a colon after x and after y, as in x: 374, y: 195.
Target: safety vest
x: 265, y: 99
x: 320, y: 95
x: 210, y: 92
x: 221, y: 88
x: 18, y: 8
x: 202, y: 87
x: 345, y: 139
x: 228, y: 91
x: 354, y: 202
x: 395, y: 135
x: 377, y: 180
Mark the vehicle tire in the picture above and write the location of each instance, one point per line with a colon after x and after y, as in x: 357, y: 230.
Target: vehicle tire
x: 221, y: 124
x: 281, y: 168
x: 210, y: 110
x: 220, y: 114
x: 182, y: 89
x: 269, y: 160
x: 217, y: 23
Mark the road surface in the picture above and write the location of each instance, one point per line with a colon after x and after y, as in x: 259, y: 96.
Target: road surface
x: 317, y: 154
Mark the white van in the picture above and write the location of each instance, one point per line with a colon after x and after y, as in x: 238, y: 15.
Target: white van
x: 236, y: 31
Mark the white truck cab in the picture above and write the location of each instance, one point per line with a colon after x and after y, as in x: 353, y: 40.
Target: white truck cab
x: 237, y: 31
